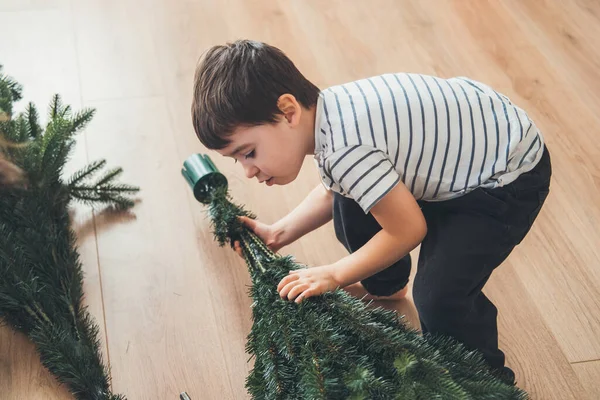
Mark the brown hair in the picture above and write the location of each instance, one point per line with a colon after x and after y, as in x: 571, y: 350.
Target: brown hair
x: 238, y: 84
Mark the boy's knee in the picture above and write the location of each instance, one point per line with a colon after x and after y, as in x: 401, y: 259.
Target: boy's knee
x: 378, y: 287
x: 390, y: 280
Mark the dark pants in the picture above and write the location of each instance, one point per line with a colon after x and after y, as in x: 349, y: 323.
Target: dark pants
x: 467, y: 238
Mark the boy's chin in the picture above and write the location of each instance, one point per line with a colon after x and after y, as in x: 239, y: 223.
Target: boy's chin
x: 280, y: 181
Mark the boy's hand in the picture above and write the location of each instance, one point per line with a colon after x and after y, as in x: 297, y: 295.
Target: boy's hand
x: 265, y: 232
x: 304, y: 283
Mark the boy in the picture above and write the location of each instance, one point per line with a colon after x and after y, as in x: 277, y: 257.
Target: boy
x: 404, y: 160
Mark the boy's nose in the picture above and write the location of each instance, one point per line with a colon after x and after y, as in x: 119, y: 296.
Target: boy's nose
x: 251, y: 171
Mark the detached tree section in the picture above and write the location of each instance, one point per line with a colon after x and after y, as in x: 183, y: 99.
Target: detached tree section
x: 40, y: 271
x: 334, y: 346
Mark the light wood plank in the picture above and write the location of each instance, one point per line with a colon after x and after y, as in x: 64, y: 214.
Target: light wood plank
x: 158, y: 297
x: 566, y: 45
x: 21, y: 373
x: 531, y: 349
x: 589, y: 375
x: 32, y: 5
x: 115, y: 50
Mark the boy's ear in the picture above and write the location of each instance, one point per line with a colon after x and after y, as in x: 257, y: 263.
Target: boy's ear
x: 290, y: 108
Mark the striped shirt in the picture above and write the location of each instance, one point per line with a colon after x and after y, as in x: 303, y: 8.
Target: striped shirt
x: 441, y: 137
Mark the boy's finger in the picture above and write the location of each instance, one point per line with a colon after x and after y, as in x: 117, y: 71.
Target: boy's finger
x: 238, y: 248
x: 283, y: 293
x: 297, y: 290
x: 304, y: 295
x: 248, y: 222
x: 282, y: 283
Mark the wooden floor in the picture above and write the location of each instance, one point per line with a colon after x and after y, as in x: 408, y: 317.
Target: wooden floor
x: 172, y: 306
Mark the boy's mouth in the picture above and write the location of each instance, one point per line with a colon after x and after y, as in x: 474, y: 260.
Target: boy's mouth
x: 269, y: 181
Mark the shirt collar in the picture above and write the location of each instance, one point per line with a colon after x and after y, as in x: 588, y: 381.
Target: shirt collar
x: 319, y: 136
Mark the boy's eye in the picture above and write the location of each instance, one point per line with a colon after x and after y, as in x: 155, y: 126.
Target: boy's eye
x: 249, y: 155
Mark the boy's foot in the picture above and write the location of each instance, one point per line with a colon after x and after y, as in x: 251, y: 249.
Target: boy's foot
x: 358, y: 290
x: 507, y: 375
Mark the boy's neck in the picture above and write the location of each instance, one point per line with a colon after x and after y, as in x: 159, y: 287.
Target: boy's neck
x: 308, y: 121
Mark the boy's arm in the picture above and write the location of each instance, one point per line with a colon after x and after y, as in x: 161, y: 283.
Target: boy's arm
x: 403, y: 228
x: 314, y: 211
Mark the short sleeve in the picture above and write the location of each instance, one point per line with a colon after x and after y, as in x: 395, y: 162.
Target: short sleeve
x: 363, y: 172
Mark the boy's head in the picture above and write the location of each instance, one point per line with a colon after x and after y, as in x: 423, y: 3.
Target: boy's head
x: 249, y: 96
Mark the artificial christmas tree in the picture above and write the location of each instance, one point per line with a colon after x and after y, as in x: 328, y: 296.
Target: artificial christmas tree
x: 40, y: 272
x: 334, y: 346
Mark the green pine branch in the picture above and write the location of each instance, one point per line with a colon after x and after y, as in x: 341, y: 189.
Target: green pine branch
x: 81, y: 119
x: 34, y: 129
x: 104, y: 190
x: 85, y: 172
x: 57, y: 109
x: 41, y: 285
x: 10, y: 92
